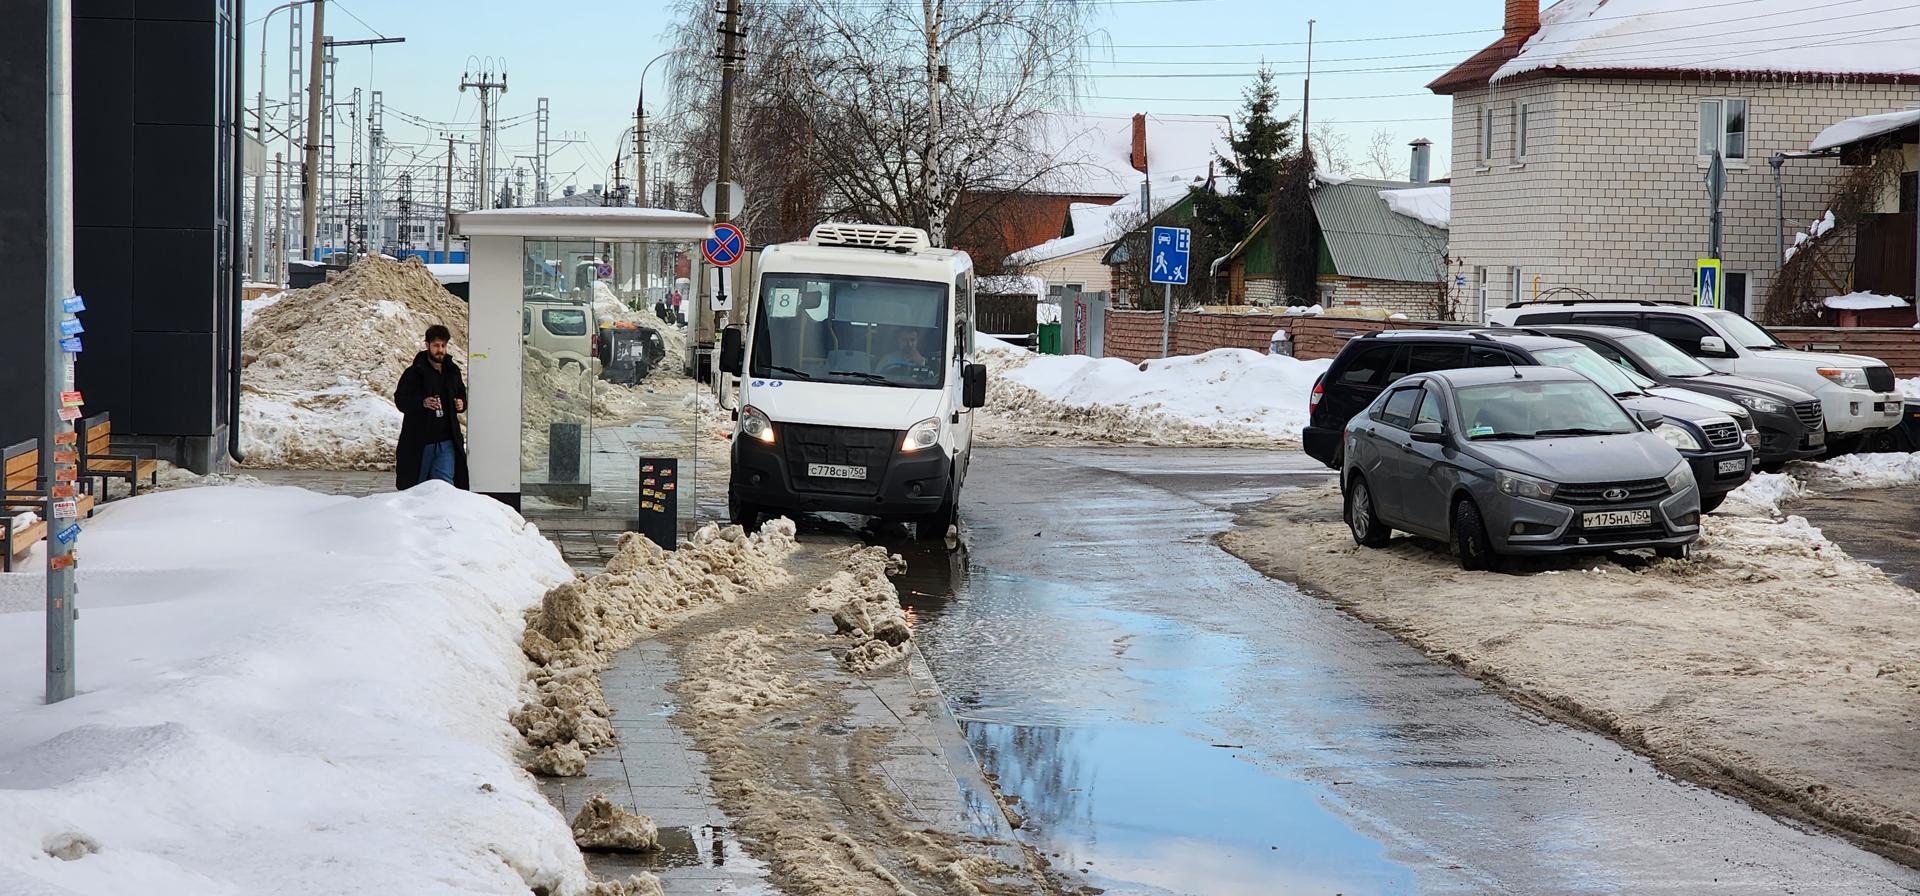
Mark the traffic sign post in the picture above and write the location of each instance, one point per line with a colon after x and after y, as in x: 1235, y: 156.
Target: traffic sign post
x: 1706, y: 283
x: 721, y: 250
x: 1172, y: 249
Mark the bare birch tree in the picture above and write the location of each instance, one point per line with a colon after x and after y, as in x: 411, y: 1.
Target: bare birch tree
x: 1383, y: 155
x: 888, y: 111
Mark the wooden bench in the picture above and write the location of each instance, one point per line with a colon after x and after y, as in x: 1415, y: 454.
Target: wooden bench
x: 99, y: 461
x: 20, y: 491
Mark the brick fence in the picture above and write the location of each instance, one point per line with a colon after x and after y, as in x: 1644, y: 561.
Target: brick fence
x: 1135, y: 336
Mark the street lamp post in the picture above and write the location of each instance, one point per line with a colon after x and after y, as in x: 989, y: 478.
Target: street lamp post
x: 640, y: 166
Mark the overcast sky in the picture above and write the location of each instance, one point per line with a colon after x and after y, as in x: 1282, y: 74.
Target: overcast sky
x: 1372, y: 59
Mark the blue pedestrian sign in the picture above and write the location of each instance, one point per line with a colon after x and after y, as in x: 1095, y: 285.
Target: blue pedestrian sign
x: 725, y: 246
x: 1171, y: 247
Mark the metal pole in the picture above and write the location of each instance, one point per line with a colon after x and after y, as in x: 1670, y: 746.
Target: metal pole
x: 59, y: 285
x: 260, y: 171
x: 1779, y: 161
x: 1306, y: 94
x: 722, y: 193
x: 1166, y: 321
x: 310, y: 177
x: 446, y: 224
x: 279, y: 219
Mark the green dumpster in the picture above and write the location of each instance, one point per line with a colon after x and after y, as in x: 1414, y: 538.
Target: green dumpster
x: 1049, y: 339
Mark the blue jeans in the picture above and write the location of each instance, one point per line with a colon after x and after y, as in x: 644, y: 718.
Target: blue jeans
x: 436, y: 462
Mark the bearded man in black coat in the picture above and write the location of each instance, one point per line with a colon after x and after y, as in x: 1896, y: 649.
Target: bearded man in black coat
x: 430, y: 397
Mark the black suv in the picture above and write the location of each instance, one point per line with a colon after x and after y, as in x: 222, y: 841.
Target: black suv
x: 1714, y: 444
x: 1789, y: 418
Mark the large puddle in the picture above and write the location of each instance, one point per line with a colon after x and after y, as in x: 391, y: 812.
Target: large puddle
x: 1102, y: 741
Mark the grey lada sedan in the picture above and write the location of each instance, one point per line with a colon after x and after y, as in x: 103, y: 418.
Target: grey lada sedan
x: 1501, y: 461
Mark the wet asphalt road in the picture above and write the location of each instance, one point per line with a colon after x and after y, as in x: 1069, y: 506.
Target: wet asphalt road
x: 1171, y: 721
x: 1875, y: 525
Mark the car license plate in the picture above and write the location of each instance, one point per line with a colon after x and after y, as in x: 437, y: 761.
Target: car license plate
x: 1608, y: 519
x: 836, y: 471
x: 1732, y: 466
x: 1816, y: 438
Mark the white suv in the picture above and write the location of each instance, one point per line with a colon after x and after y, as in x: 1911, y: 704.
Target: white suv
x: 1856, y: 393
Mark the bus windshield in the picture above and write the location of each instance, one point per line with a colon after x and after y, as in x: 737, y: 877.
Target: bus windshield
x: 847, y: 329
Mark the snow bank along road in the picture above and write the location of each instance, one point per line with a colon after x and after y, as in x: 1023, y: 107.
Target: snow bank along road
x: 282, y: 692
x: 1173, y: 721
x: 1771, y: 666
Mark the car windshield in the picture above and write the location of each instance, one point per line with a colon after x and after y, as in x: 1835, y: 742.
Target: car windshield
x: 1527, y: 410
x: 1661, y: 356
x: 1744, y: 331
x: 1588, y: 363
x: 836, y: 328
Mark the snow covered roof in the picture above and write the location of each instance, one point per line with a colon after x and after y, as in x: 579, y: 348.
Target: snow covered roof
x: 1365, y: 239
x: 1856, y: 129
x: 1432, y: 206
x: 1095, y: 225
x: 608, y: 222
x: 1776, y: 37
x: 1094, y: 154
x: 1864, y: 301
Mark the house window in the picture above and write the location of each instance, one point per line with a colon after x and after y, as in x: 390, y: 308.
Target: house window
x: 1521, y: 113
x: 1480, y: 285
x: 1518, y: 284
x: 1486, y: 134
x: 1723, y: 126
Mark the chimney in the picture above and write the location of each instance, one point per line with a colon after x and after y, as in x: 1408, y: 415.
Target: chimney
x: 1421, y: 171
x: 1523, y: 19
x: 1138, y: 156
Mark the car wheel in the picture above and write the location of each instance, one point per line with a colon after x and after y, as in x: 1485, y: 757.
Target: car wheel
x: 1470, y: 542
x: 1362, y: 521
x: 746, y: 516
x: 1709, y: 505
x: 1677, y: 552
x: 934, y: 526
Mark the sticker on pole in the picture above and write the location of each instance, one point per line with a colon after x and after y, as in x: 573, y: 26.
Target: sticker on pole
x: 725, y: 246
x: 73, y: 304
x: 1171, y: 248
x: 67, y: 535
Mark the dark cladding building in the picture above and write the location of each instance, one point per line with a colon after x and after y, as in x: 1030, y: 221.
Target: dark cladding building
x: 154, y: 175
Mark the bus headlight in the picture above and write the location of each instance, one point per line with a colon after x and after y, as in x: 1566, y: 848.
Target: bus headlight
x: 756, y: 424
x: 922, y: 435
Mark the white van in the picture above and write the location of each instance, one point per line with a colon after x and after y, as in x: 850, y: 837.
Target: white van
x: 1857, y: 394
x: 857, y: 380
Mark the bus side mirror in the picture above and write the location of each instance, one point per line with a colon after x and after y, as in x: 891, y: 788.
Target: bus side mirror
x: 733, y: 351
x: 973, y: 385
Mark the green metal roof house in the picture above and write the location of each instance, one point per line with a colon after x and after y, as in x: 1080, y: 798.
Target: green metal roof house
x: 1381, y: 245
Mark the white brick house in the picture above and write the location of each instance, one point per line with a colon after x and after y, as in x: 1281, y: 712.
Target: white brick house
x: 1581, y: 139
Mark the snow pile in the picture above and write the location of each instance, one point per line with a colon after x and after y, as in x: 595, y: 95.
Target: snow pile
x: 1432, y: 206
x: 1659, y: 34
x: 283, y: 692
x: 1854, y: 129
x: 320, y: 365
x: 603, y: 825
x: 866, y: 608
x: 1304, y: 310
x: 252, y: 307
x: 581, y: 623
x: 1869, y: 470
x: 1232, y: 393
x: 1762, y: 494
x: 1910, y: 387
x: 1864, y: 301
x: 1046, y: 312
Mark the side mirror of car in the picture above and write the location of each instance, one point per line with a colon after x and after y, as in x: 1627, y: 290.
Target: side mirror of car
x: 733, y: 351
x: 1649, y: 418
x: 1714, y: 346
x: 973, y: 385
x: 1432, y: 433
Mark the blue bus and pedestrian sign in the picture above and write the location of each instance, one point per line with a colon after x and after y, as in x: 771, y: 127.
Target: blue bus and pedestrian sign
x: 1172, y: 247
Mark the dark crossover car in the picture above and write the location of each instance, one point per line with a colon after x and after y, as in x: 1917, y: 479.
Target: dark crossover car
x: 1512, y: 460
x: 1714, y: 443
x: 1789, y: 418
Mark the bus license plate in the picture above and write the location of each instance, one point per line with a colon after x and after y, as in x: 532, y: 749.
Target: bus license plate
x: 836, y: 471
x: 1608, y: 519
x: 1732, y: 466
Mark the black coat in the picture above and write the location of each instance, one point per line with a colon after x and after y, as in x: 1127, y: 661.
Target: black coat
x: 419, y: 427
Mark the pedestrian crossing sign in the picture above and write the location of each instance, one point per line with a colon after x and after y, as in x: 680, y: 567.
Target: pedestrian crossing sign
x: 1706, y: 283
